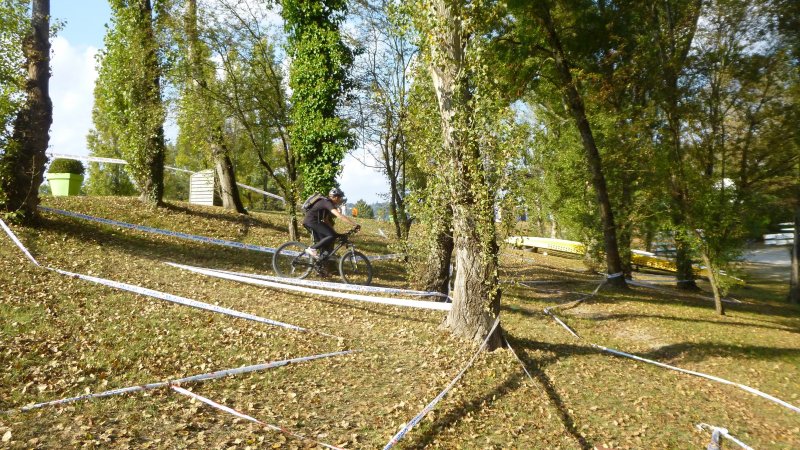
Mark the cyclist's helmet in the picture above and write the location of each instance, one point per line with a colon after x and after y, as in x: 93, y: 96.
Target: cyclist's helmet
x: 336, y: 192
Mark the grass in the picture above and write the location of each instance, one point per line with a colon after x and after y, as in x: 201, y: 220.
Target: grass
x: 63, y: 337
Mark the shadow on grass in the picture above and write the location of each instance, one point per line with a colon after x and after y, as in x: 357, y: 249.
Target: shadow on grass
x: 187, y: 252
x: 630, y: 316
x: 238, y: 219
x: 536, y: 369
x: 465, y: 408
x: 695, y: 352
x: 692, y: 300
x: 352, y: 304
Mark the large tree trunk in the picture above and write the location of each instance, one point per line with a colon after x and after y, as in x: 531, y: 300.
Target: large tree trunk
x: 476, y: 291
x: 436, y: 274
x: 152, y: 185
x: 24, y: 158
x: 794, y: 284
x: 576, y: 107
x: 229, y: 191
x: 151, y: 158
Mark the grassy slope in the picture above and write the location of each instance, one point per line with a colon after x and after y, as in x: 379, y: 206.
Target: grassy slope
x: 62, y: 337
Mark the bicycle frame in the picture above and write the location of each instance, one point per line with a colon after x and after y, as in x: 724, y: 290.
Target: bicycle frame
x: 341, y: 241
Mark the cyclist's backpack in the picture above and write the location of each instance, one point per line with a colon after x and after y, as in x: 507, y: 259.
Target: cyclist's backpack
x: 310, y: 201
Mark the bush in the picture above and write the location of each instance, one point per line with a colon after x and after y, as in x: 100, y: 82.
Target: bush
x: 66, y: 166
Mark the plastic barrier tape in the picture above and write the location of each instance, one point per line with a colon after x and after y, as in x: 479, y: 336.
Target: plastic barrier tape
x: 122, y: 161
x: 396, y: 438
x: 191, y: 379
x: 337, y: 286
x: 364, y: 298
x: 244, y: 416
x: 177, y: 234
x: 156, y: 294
x: 716, y: 432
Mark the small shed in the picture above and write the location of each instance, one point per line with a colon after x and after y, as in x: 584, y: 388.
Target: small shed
x: 204, y: 188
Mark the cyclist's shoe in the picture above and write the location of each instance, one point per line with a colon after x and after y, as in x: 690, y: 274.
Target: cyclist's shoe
x: 312, y: 252
x: 322, y: 272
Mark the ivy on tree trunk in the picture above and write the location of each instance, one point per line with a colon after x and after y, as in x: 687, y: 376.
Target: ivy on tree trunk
x: 318, y: 78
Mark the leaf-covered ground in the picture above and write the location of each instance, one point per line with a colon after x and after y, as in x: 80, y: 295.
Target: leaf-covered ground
x: 62, y: 337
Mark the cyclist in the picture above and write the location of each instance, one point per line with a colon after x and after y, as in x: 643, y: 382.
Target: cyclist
x: 318, y: 221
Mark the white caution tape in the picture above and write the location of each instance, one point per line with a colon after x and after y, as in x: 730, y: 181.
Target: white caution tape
x: 88, y: 158
x: 400, y: 434
x: 123, y: 162
x: 177, y: 234
x: 180, y: 300
x: 191, y: 379
x: 700, y: 374
x: 386, y: 257
x: 261, y: 191
x: 244, y: 416
x: 18, y: 243
x: 666, y: 366
x: 716, y: 432
x: 615, y: 275
x: 338, y: 286
x: 158, y: 294
x: 364, y: 298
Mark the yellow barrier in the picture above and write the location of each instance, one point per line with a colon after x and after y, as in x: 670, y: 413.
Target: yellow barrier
x: 639, y: 258
x: 560, y: 245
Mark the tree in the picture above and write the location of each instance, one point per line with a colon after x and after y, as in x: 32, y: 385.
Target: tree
x: 364, y: 210
x: 674, y: 24
x: 318, y: 79
x: 788, y: 13
x: 103, y: 141
x: 431, y: 248
x: 200, y: 117
x: 129, y: 84
x: 382, y: 76
x: 23, y: 159
x: 253, y: 95
x: 476, y: 288
x: 571, y: 93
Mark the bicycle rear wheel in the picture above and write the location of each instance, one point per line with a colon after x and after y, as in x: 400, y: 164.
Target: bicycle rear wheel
x: 289, y: 261
x: 355, y: 268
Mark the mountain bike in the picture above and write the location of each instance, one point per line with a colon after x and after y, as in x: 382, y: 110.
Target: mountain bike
x: 291, y: 261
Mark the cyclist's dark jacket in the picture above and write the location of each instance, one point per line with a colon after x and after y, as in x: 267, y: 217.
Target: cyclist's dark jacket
x: 318, y: 220
x: 320, y: 212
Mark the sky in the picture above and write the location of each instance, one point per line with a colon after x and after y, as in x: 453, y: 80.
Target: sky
x: 72, y: 85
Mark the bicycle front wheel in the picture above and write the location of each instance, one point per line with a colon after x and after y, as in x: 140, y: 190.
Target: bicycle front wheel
x: 289, y: 261
x: 355, y: 268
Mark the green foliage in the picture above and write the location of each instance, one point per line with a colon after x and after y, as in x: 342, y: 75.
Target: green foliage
x: 129, y: 113
x: 14, y: 23
x: 60, y: 165
x: 364, y: 210
x: 318, y: 79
